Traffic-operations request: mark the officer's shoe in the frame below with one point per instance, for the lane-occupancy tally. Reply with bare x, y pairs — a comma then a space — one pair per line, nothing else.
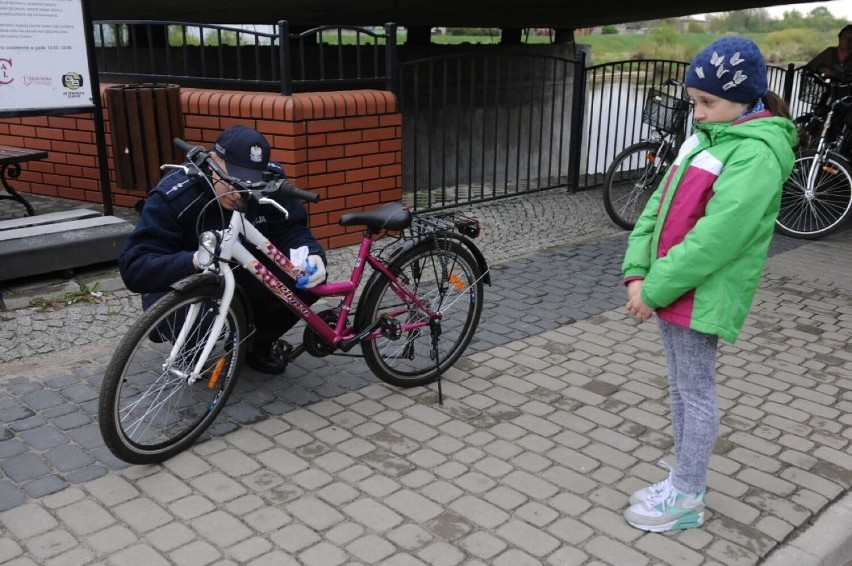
271, 359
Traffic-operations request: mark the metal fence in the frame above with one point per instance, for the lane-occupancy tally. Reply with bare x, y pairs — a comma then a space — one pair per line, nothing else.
226, 57
615, 95
477, 126
480, 127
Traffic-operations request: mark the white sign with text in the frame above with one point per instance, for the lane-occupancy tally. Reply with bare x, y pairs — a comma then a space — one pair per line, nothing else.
43, 59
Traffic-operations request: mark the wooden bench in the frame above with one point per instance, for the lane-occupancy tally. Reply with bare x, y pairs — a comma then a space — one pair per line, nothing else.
10, 168
59, 241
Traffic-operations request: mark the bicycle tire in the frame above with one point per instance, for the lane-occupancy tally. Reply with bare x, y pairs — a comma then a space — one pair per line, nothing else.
444, 275
815, 212
148, 412
630, 180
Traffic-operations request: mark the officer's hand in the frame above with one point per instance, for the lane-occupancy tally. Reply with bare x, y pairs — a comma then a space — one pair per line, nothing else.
314, 273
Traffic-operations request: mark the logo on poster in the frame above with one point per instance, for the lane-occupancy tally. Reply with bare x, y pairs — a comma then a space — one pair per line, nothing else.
6, 71
72, 80
36, 80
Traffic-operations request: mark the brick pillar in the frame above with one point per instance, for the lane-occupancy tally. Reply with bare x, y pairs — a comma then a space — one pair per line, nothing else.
345, 145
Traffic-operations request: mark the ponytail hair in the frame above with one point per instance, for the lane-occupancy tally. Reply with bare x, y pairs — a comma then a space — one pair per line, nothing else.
776, 105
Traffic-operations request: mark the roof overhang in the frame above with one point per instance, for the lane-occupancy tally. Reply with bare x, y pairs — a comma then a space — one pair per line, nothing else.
449, 13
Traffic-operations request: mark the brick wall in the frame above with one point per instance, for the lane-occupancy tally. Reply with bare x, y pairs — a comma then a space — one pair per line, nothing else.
346, 146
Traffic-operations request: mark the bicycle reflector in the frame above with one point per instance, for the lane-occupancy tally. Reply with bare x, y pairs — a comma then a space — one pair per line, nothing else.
469, 227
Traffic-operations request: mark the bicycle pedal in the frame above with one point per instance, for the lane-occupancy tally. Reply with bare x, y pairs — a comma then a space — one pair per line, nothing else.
390, 327
830, 170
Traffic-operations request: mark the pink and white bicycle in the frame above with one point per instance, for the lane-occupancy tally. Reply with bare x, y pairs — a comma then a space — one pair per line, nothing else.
175, 368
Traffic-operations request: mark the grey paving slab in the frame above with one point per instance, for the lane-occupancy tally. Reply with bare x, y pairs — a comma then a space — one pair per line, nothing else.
557, 412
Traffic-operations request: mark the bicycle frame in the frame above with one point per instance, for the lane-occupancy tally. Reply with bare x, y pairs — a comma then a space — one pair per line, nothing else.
339, 336
824, 145
665, 144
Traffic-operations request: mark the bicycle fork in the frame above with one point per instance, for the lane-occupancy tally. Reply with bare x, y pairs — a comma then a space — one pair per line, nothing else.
213, 335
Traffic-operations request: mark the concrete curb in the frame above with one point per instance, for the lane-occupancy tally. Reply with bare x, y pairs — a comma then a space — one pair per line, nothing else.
828, 541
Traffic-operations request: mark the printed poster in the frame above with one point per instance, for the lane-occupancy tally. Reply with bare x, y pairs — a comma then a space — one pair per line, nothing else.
43, 58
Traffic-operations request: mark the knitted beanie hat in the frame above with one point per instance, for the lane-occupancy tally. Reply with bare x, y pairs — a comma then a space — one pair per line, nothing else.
731, 68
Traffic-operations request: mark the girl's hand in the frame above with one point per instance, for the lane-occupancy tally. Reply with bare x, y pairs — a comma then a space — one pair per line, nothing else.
635, 306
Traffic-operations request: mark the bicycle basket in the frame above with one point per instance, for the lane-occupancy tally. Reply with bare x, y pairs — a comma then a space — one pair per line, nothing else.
664, 111
810, 90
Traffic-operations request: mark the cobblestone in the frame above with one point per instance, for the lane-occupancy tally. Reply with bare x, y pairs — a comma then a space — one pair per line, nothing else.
556, 413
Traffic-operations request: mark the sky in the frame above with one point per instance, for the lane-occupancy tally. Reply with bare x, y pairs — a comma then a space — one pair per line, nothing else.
838, 8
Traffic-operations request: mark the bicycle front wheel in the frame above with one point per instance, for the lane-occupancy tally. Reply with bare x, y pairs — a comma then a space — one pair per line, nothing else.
148, 409
631, 179
446, 278
815, 206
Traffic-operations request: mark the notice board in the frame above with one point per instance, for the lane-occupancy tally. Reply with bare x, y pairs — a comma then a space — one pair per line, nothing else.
44, 61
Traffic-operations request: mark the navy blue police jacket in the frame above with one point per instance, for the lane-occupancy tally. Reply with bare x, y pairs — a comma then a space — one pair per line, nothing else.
159, 251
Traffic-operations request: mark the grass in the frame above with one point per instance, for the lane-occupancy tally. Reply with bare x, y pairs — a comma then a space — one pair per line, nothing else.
82, 295
797, 45
781, 47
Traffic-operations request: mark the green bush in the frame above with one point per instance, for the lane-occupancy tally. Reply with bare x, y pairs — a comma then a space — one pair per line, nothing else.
474, 31
609, 30
794, 45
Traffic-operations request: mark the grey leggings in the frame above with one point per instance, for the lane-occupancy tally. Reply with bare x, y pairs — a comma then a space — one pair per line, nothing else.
691, 359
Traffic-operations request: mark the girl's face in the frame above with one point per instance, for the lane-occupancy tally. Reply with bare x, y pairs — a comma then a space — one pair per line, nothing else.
710, 109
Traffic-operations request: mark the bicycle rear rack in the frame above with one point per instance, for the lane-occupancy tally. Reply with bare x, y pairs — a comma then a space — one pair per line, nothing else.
445, 222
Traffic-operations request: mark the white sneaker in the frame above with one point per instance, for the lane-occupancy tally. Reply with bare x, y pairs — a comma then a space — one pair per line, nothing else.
666, 511
652, 490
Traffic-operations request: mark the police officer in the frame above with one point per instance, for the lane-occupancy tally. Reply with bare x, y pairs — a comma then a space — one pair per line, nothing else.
161, 250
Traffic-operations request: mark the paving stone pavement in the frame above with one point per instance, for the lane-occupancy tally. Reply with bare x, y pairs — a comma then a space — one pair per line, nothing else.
556, 413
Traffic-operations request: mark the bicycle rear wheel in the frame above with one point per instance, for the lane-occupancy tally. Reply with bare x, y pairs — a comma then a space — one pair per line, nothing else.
631, 179
445, 277
148, 411
815, 209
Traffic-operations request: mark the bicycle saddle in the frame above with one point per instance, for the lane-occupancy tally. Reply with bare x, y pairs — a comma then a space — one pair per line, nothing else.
392, 216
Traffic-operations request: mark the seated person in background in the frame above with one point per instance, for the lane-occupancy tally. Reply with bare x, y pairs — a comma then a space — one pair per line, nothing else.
836, 62
161, 250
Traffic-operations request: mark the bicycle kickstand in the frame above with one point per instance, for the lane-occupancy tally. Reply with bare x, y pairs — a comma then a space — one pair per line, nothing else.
435, 331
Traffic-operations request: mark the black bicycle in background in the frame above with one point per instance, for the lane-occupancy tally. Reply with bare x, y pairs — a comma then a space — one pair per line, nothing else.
816, 198
638, 169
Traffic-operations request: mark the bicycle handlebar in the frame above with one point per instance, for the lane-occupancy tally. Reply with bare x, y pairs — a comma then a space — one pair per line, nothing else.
289, 189
824, 79
268, 187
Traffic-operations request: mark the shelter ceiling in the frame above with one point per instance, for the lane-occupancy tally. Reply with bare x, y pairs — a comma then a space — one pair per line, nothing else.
450, 13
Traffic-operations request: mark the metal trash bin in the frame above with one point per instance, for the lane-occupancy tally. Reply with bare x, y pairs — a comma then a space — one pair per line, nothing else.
143, 120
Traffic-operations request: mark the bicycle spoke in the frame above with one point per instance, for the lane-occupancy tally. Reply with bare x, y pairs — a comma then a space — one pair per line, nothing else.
439, 274
149, 410
813, 210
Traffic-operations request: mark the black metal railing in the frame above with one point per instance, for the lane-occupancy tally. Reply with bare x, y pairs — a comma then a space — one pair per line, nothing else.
322, 58
228, 57
477, 126
615, 94
480, 127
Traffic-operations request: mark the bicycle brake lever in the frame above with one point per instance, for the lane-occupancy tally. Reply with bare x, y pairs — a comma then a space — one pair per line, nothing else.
186, 170
276, 204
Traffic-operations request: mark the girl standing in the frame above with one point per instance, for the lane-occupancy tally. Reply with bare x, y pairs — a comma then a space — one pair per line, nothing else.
697, 251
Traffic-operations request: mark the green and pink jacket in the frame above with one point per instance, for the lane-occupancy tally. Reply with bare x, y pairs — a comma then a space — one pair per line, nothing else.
702, 240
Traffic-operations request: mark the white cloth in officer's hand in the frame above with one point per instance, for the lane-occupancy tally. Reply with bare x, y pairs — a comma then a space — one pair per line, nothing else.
315, 270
